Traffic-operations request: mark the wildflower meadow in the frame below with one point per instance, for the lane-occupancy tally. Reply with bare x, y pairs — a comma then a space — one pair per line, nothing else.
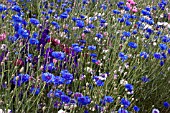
84, 56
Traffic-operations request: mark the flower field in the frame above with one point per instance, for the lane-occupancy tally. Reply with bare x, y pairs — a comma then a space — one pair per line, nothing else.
84, 56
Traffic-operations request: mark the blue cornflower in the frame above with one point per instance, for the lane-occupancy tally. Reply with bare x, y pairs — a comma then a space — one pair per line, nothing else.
83, 41
128, 23
126, 33
163, 46
126, 8
166, 104
29, 58
47, 77
135, 31
129, 87
154, 8
80, 23
58, 93
50, 67
58, 55
17, 18
157, 55
99, 35
150, 31
2, 7
103, 6
121, 20
108, 99
91, 26
120, 4
132, 45
123, 56
50, 94
122, 110
82, 16
136, 108
125, 103
145, 12
58, 80
92, 47
148, 8
57, 26
34, 90
64, 71
12, 38
16, 8
33, 41
169, 51
144, 54
65, 98
102, 20
68, 10
77, 49
162, 63
99, 83
165, 39
23, 32
34, 21
64, 15
34, 35
84, 100
20, 79
116, 11
93, 55
145, 79
147, 36
67, 76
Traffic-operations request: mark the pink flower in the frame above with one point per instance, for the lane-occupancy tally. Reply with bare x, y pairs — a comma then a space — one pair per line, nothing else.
129, 0
132, 3
128, 5
54, 61
168, 16
83, 35
134, 10
2, 37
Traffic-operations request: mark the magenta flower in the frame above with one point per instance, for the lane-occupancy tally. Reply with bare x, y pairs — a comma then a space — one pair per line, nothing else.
2, 37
